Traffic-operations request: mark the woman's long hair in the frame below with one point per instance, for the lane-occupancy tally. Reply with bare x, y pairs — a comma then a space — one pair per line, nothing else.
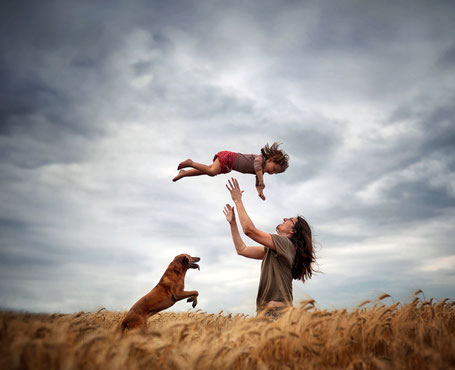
305, 257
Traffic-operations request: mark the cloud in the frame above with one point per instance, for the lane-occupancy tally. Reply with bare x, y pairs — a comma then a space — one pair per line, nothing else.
98, 106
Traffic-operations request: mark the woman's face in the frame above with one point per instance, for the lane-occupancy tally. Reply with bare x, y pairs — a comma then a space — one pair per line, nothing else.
286, 228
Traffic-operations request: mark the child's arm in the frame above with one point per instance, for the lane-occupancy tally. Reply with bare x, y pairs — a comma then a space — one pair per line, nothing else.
260, 184
258, 161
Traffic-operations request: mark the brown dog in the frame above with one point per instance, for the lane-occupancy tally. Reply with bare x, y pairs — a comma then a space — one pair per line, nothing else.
169, 290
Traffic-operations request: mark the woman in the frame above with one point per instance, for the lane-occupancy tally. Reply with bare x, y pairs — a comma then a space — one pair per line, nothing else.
286, 255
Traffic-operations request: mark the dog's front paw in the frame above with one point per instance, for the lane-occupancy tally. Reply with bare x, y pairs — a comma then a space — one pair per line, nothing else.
193, 299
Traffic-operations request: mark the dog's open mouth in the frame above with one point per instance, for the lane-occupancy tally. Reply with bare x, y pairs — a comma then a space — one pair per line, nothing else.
194, 265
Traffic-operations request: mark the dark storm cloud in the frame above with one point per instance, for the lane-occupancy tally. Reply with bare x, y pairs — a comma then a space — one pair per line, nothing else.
53, 57
86, 202
411, 172
77, 40
428, 191
438, 128
201, 103
447, 59
311, 145
436, 123
41, 96
365, 50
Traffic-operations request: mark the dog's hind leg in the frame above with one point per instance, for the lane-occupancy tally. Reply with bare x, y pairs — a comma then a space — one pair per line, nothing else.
135, 322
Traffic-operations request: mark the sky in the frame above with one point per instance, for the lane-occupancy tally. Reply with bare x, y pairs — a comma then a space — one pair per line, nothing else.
100, 101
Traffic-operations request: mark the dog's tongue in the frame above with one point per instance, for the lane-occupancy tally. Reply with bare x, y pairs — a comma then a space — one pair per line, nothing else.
194, 266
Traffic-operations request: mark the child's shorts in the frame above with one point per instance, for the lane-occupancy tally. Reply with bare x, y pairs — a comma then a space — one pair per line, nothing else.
227, 160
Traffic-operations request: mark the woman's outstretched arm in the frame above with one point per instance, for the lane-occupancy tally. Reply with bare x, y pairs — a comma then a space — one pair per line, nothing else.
248, 227
241, 248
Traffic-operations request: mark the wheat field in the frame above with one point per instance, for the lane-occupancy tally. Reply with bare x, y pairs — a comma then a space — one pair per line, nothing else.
374, 335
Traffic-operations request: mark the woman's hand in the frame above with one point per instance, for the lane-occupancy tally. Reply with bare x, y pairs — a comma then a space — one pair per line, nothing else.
234, 189
229, 213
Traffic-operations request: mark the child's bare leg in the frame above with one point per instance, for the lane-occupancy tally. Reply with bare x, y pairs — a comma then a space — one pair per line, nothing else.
183, 173
185, 163
212, 170
199, 169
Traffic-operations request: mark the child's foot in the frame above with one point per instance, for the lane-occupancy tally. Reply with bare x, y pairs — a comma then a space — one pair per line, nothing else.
186, 163
179, 176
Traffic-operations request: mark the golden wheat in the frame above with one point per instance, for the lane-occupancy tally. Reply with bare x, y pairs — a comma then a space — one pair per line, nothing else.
417, 335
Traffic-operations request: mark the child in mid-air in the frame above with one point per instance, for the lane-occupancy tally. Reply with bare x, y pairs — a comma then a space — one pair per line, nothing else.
271, 160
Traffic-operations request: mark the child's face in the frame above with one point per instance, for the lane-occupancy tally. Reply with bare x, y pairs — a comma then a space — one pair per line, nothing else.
272, 167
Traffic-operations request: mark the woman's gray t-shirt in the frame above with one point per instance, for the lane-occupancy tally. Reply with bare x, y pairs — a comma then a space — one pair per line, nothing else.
275, 283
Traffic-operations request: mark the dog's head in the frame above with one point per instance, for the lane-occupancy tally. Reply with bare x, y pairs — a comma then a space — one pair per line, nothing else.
187, 261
